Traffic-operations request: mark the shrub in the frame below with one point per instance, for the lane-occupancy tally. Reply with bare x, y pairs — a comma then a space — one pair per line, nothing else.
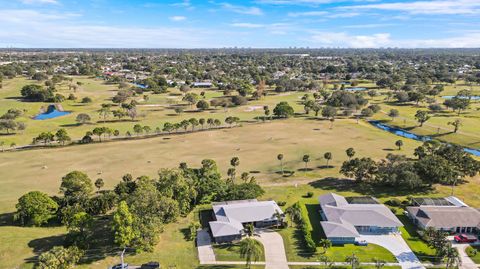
309, 194
306, 227
471, 252
281, 203
435, 107
394, 202
86, 100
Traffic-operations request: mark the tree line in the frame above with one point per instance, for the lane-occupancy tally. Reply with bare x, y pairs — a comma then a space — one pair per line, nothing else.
135, 210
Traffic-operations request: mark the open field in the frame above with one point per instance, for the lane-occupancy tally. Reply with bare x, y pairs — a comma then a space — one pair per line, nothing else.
437, 126
154, 112
256, 145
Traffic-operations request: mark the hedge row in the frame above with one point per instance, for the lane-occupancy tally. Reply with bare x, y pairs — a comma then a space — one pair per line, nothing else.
306, 227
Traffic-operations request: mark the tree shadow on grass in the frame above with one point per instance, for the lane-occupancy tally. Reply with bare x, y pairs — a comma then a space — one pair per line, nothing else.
286, 173
304, 169
44, 244
347, 185
325, 166
6, 219
101, 242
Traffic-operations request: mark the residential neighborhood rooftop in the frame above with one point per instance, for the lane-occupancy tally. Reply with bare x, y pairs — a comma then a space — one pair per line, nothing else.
444, 213
231, 215
342, 218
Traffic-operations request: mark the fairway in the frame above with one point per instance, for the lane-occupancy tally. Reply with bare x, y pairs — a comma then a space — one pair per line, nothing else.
257, 146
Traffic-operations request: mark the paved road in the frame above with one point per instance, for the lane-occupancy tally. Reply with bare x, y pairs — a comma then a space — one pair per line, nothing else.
395, 244
275, 257
205, 249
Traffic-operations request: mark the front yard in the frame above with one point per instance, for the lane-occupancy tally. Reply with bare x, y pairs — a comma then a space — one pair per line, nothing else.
231, 252
415, 242
476, 258
296, 250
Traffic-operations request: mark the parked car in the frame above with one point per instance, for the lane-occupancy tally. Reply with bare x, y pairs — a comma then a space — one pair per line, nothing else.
361, 243
150, 265
465, 238
119, 266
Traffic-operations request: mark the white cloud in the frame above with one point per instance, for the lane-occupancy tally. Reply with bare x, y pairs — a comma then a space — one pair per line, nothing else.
178, 18
366, 26
242, 9
307, 14
332, 39
324, 14
31, 2
306, 2
26, 16
426, 7
345, 40
247, 25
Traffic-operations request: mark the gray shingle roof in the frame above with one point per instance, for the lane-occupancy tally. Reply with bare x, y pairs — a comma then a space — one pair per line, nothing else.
341, 217
446, 216
231, 215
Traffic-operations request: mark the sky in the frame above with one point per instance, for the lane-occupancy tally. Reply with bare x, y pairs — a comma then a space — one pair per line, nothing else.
232, 23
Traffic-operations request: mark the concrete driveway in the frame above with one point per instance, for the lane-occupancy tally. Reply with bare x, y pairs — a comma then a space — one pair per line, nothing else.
398, 247
467, 262
204, 246
275, 257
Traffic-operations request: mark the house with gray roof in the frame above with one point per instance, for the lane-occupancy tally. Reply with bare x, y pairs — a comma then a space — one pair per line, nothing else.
232, 216
448, 214
343, 221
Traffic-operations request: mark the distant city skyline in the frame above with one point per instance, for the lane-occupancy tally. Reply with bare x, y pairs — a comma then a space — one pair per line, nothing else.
232, 23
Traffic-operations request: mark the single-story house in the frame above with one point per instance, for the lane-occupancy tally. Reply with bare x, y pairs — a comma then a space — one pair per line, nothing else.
344, 221
202, 84
448, 214
231, 216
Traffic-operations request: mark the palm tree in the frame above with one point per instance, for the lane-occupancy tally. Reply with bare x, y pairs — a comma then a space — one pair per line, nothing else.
327, 262
250, 250
279, 216
325, 244
350, 152
250, 229
328, 156
306, 159
280, 158
452, 258
353, 261
399, 144
235, 161
294, 213
378, 263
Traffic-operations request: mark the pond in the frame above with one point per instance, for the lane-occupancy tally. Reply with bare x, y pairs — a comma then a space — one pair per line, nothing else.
140, 85
356, 89
51, 113
407, 134
475, 97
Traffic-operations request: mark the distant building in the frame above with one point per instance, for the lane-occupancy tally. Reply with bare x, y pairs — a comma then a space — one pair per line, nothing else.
447, 214
231, 216
202, 84
344, 221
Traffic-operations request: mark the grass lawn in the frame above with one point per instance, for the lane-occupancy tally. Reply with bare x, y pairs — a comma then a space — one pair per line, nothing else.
418, 246
257, 146
475, 258
437, 126
296, 251
341, 267
231, 252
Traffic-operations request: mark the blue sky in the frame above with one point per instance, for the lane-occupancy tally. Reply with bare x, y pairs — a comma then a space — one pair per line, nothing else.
230, 23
